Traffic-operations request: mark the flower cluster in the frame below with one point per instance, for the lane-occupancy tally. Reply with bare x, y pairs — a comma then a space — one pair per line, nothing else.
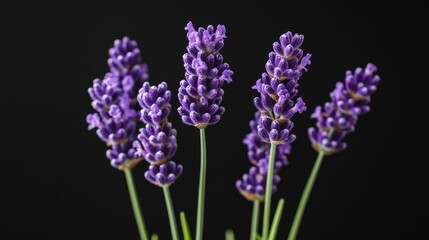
252, 185
276, 106
123, 98
125, 63
200, 94
114, 100
157, 141
338, 118
278, 88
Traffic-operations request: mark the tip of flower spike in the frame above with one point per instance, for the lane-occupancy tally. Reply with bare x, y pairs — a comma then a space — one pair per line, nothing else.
189, 27
370, 68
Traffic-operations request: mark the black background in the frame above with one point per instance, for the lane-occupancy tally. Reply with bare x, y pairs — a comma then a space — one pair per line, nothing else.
57, 184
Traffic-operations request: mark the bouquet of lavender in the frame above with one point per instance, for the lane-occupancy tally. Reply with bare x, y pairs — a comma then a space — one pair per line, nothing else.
124, 99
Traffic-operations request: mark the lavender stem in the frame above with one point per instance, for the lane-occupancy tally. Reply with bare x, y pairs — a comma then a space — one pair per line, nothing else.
171, 216
268, 192
202, 186
135, 203
305, 195
255, 218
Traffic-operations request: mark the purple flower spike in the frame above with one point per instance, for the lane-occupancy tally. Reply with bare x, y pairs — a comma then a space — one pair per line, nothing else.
278, 89
276, 105
338, 118
163, 175
126, 67
125, 63
200, 94
113, 99
252, 185
157, 141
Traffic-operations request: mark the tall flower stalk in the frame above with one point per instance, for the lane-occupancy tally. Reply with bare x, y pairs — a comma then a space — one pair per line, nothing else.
200, 94
157, 143
253, 184
337, 119
115, 120
277, 104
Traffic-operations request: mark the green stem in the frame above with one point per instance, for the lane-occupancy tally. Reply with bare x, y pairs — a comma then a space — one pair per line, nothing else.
135, 203
304, 198
268, 193
229, 235
171, 216
255, 218
201, 187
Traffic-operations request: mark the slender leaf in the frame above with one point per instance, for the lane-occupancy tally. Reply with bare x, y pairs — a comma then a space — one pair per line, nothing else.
276, 220
229, 235
185, 227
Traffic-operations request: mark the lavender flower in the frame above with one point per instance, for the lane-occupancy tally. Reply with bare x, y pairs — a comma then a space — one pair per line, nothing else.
278, 88
112, 98
104, 93
163, 175
110, 130
200, 94
252, 185
156, 143
126, 67
258, 151
276, 106
121, 153
157, 140
125, 63
155, 103
339, 117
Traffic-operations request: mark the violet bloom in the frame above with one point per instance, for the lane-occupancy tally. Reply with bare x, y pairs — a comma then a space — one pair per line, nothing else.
338, 117
157, 140
104, 93
258, 151
276, 106
200, 94
253, 185
163, 175
112, 98
278, 89
126, 64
